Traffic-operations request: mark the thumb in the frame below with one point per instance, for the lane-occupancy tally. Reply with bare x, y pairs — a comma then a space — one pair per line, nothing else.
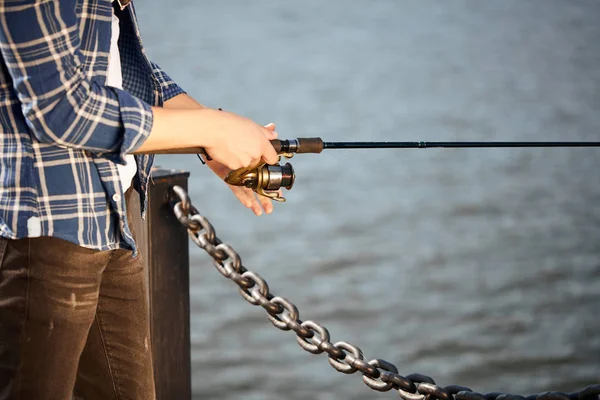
270, 132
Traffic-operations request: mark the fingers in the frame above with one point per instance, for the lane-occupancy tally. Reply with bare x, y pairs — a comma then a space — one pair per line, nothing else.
271, 135
266, 204
246, 197
252, 201
270, 156
270, 131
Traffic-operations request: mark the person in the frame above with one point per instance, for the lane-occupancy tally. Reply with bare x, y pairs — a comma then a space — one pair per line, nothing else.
81, 110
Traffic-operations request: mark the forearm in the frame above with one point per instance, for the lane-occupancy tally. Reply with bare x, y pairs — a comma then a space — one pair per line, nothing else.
182, 101
227, 138
180, 130
169, 121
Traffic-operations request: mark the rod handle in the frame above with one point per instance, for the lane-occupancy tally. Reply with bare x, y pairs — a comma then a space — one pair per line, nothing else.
183, 150
299, 145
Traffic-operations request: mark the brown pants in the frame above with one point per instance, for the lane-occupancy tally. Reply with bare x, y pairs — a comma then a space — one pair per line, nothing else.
73, 322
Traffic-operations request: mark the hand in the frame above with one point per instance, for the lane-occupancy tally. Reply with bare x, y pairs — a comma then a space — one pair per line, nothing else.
220, 164
245, 195
238, 142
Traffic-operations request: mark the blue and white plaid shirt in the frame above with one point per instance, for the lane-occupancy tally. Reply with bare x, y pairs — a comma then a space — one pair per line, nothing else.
62, 131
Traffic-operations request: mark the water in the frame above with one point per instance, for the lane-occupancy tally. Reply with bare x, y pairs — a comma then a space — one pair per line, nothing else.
477, 267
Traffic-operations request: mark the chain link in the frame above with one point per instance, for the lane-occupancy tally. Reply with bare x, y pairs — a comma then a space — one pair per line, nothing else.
377, 374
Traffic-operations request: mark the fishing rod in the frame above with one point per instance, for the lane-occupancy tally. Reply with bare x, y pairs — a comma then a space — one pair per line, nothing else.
456, 145
267, 180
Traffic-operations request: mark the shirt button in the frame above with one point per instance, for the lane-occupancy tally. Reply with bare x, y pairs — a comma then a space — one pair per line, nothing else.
116, 197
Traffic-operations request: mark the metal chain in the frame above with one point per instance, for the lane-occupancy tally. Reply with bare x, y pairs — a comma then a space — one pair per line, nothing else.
378, 374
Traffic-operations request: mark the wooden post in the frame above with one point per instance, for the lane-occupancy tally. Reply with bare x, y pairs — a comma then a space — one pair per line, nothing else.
165, 246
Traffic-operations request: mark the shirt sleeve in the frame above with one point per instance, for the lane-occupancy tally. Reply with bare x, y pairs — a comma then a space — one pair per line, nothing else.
40, 45
169, 88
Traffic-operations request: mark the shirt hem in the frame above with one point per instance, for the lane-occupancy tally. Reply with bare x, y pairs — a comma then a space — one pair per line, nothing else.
104, 247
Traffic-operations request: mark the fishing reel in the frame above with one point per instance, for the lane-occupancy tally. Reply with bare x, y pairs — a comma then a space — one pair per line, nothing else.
265, 179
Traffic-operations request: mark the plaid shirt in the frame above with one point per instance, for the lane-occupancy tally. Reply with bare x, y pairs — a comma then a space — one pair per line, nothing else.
62, 131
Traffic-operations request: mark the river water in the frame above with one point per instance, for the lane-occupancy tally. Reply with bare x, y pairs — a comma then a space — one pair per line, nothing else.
477, 267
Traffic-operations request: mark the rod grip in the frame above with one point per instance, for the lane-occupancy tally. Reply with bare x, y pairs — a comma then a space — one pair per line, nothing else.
183, 150
310, 145
300, 145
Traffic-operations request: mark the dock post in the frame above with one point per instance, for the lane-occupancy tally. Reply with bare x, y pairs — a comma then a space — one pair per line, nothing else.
165, 247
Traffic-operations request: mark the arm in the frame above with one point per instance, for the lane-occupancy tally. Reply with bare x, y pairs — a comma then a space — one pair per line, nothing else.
40, 44
229, 139
183, 101
173, 116
245, 196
